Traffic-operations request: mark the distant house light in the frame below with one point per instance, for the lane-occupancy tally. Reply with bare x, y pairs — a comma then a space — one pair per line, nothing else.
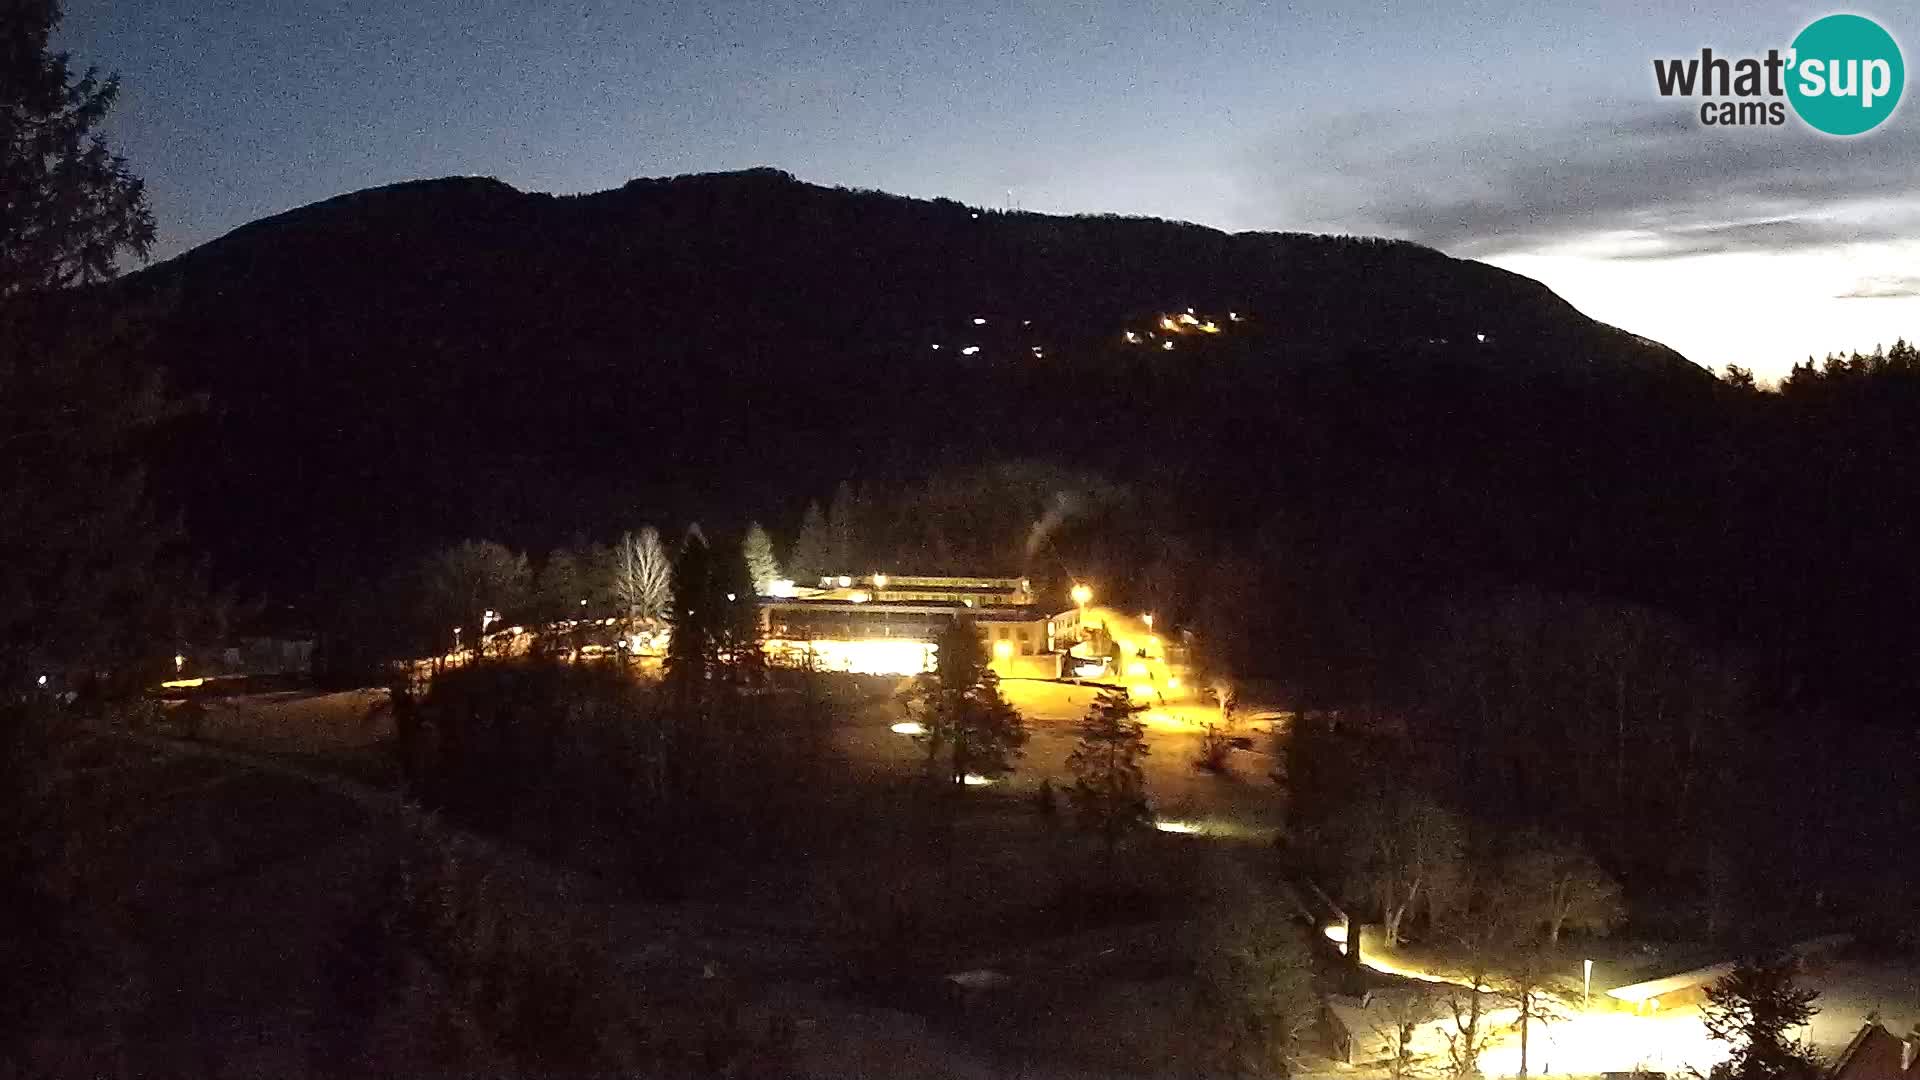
859, 597
1133, 338
969, 350
978, 321
936, 346
43, 680
845, 581
1167, 345
1481, 338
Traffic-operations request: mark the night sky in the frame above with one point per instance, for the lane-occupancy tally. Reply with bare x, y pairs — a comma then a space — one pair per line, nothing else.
1524, 133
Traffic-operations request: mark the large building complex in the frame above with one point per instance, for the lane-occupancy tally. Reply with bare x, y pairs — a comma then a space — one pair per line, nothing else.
885, 624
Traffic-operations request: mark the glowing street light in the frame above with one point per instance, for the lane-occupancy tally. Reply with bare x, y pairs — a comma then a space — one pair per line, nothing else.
1148, 619
1082, 595
488, 618
879, 581
1586, 984
179, 661
1003, 650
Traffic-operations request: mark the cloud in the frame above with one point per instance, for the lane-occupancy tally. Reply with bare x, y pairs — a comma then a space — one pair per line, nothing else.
1883, 287
1648, 184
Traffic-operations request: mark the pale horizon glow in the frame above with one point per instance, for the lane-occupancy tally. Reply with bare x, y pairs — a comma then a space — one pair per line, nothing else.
1766, 312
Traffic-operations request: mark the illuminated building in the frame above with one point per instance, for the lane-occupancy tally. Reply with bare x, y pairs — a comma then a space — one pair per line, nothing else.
887, 624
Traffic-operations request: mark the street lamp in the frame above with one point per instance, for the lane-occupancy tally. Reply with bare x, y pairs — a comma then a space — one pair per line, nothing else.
1586, 985
1148, 619
1082, 595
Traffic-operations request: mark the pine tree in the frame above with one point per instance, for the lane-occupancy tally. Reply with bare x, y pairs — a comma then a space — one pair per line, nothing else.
967, 728
1756, 1010
81, 553
762, 568
737, 630
69, 206
1109, 792
812, 549
693, 652
843, 532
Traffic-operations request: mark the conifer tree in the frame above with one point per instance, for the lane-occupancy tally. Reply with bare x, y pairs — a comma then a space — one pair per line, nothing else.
80, 549
843, 531
812, 549
762, 568
967, 728
1109, 793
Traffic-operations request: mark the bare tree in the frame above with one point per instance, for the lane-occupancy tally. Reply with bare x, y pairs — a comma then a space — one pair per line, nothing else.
466, 582
643, 577
1563, 886
1402, 847
1403, 1014
1525, 983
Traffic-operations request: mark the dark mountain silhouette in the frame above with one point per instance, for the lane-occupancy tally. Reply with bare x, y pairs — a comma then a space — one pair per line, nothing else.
410, 364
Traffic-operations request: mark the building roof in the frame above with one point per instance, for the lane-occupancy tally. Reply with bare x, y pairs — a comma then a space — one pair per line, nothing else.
993, 613
1685, 980
1878, 1054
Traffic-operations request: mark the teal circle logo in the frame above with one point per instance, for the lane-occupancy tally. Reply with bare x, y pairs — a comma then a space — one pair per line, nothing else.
1846, 76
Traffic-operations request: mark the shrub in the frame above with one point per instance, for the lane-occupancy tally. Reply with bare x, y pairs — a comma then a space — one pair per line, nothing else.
1216, 750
